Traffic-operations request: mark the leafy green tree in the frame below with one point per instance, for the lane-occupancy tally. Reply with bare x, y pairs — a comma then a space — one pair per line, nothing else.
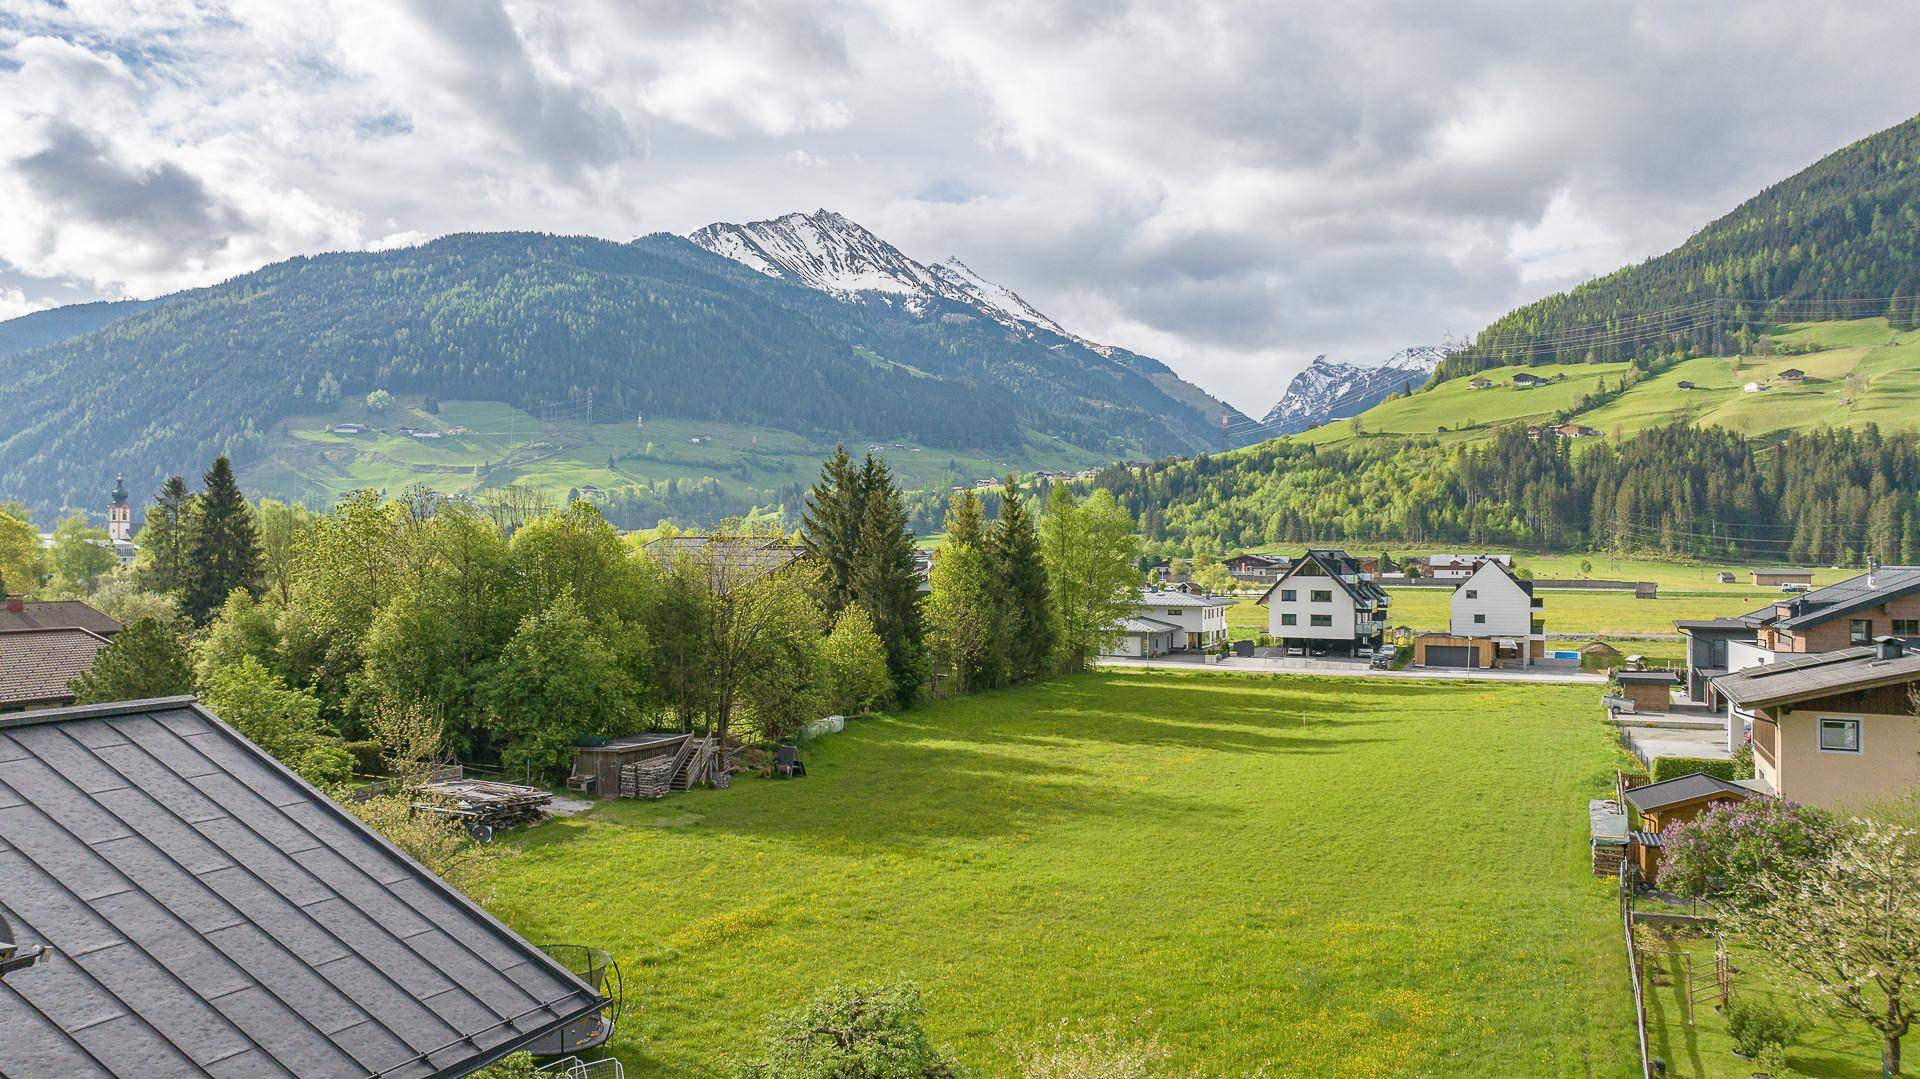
281, 720
554, 681
165, 538
1089, 547
574, 552
379, 401
886, 582
283, 525
146, 659
856, 659
830, 527
243, 629
1018, 576
20, 554
122, 598
81, 554
224, 553
790, 681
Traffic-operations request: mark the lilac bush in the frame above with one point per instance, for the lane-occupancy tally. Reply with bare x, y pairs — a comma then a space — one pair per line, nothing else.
1730, 844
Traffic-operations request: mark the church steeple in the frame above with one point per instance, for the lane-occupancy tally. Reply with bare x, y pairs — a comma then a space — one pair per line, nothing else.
120, 513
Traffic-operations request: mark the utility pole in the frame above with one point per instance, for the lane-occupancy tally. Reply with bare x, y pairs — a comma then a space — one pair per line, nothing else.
1223, 432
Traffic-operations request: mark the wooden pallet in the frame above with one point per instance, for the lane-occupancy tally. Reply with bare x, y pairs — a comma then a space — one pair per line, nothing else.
647, 779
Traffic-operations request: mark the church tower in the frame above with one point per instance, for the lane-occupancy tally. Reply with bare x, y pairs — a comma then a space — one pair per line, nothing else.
120, 513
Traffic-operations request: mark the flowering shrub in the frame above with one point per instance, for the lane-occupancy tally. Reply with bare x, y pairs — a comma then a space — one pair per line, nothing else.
1728, 845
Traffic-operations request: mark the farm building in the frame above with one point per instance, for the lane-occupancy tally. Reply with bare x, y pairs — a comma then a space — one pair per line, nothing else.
1773, 578
596, 768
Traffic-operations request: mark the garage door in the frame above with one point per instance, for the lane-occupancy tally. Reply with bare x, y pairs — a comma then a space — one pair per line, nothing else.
1451, 655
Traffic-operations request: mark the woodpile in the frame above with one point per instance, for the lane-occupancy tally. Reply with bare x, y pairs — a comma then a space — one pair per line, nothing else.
497, 805
648, 778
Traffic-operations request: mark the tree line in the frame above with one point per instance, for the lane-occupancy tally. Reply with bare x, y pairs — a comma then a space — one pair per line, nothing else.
521, 629
1824, 496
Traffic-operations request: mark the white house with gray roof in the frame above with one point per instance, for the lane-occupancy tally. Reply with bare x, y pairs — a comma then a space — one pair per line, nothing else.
1169, 620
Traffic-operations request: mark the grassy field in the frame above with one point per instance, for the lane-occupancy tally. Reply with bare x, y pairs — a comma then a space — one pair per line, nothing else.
1828, 1044
501, 444
1887, 392
1317, 877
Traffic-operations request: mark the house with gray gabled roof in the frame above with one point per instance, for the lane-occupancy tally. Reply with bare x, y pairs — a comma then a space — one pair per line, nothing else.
1326, 602
18, 612
38, 666
1833, 728
179, 903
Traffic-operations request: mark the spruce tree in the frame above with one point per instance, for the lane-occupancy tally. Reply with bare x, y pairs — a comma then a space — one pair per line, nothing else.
886, 583
224, 551
830, 527
166, 536
1020, 581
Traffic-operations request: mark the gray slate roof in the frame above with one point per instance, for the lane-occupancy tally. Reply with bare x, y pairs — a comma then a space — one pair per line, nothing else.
1147, 626
1817, 674
37, 664
1846, 597
59, 614
1646, 678
210, 913
1686, 788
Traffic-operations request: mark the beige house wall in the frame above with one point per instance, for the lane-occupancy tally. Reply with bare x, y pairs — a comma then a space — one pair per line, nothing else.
1888, 761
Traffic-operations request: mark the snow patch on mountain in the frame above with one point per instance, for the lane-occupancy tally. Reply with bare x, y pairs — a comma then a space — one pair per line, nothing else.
1329, 390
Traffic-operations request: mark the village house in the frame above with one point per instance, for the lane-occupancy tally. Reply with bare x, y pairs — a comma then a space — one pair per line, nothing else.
37, 666
1683, 384
1493, 623
19, 612
1835, 728
1326, 603
1575, 430
1257, 569
348, 428
1479, 384
1458, 567
1754, 387
1791, 375
1172, 620
1526, 381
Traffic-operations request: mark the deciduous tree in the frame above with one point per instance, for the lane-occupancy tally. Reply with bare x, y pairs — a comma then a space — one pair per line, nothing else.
1089, 547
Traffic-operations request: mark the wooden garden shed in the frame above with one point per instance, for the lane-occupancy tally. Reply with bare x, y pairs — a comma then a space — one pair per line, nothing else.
599, 765
1650, 691
1674, 801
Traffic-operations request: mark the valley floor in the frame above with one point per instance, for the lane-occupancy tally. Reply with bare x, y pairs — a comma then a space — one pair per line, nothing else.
1314, 876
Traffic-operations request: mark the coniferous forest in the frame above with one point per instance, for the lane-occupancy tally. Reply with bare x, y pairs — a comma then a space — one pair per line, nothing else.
1822, 497
1840, 239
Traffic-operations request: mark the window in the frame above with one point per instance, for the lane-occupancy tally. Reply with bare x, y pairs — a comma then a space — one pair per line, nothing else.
1176, 611
1840, 735
1323, 620
1906, 627
1479, 619
1717, 654
1288, 595
1289, 619
1473, 593
1322, 595
1860, 631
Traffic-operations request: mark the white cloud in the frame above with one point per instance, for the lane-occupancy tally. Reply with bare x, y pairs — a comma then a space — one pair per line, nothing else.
1232, 186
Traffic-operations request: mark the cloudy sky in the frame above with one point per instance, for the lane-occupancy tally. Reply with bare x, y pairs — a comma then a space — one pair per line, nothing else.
1231, 187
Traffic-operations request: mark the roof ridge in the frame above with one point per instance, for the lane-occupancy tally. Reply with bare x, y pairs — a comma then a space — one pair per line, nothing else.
97, 711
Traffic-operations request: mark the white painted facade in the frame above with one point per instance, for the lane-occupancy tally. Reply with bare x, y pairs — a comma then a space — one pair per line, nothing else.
1198, 621
1310, 604
1490, 603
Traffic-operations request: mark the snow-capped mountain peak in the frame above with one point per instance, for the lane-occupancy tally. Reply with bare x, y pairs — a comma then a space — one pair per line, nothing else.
1328, 390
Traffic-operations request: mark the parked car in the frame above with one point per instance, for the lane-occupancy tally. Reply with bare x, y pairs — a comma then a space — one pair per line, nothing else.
1796, 588
1384, 657
1296, 650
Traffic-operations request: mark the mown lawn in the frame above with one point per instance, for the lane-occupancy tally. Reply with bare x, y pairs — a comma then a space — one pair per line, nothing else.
1828, 1044
1318, 876
1592, 614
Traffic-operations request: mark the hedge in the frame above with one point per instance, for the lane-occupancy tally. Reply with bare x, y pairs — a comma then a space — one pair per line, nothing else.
1665, 768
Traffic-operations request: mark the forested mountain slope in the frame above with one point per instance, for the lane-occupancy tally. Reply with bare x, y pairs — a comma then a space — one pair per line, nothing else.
1818, 497
59, 323
656, 327
1840, 239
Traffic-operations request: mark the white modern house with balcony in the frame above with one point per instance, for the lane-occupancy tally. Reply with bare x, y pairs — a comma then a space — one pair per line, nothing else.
1326, 603
1169, 620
